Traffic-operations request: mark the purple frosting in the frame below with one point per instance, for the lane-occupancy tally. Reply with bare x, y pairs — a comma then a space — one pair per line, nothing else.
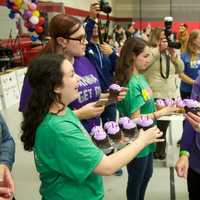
190, 103
129, 124
169, 102
115, 87
98, 133
108, 124
180, 103
123, 120
113, 129
160, 102
144, 122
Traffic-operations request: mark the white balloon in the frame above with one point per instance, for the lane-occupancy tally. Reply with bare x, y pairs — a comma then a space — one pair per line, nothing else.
17, 16
34, 20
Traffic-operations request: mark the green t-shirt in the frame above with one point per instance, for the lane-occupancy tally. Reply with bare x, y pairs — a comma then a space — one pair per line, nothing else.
65, 158
138, 97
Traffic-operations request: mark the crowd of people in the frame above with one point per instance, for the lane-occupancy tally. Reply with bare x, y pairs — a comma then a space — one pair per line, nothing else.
58, 103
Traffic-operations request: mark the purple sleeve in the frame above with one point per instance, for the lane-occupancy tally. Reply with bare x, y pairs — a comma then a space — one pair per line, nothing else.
187, 137
196, 89
25, 93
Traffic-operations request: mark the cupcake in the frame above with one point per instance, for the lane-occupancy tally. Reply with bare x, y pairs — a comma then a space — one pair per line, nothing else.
130, 129
160, 104
100, 138
180, 104
108, 124
113, 131
169, 102
144, 123
123, 120
191, 106
114, 90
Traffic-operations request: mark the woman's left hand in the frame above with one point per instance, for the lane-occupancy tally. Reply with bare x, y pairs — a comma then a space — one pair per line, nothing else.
173, 53
122, 94
194, 120
106, 49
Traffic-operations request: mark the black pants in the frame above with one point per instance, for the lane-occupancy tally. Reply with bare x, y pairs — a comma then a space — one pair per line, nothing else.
193, 182
160, 146
140, 171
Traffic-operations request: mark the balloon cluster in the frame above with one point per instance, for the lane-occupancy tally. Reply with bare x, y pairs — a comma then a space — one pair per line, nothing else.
28, 10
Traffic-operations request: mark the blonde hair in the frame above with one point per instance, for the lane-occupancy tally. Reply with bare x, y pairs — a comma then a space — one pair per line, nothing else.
192, 49
154, 37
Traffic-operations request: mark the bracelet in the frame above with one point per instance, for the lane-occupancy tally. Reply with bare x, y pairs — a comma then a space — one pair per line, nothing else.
184, 153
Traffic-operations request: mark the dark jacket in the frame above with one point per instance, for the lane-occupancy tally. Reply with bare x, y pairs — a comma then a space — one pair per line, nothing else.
105, 65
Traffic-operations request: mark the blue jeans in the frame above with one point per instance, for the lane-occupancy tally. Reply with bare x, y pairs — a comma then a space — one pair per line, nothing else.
140, 171
7, 144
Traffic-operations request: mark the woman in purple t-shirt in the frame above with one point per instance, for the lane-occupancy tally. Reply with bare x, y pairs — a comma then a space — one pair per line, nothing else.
188, 165
68, 38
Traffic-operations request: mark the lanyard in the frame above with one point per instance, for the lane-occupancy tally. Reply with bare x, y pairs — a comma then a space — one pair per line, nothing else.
100, 56
166, 76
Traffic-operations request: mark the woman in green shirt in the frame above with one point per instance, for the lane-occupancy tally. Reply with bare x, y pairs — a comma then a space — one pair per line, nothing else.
138, 101
69, 164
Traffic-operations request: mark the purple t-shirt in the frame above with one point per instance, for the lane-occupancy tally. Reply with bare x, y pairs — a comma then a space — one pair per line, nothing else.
25, 93
89, 89
196, 89
191, 139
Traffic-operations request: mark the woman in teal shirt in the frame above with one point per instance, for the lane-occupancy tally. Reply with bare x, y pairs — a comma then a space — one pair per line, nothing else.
138, 101
69, 164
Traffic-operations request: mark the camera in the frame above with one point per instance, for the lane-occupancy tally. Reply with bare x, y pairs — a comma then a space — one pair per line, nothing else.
169, 35
105, 7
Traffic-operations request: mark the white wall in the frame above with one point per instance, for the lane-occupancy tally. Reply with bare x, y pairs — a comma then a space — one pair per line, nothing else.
123, 8
6, 24
80, 4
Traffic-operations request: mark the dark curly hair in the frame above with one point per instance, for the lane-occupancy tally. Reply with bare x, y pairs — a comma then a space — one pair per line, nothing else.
44, 74
124, 70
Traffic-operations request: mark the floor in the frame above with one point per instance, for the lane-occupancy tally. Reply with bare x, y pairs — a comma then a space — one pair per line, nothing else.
27, 182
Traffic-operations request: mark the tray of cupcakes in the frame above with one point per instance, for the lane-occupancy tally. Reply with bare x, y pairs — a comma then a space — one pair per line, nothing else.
116, 135
183, 106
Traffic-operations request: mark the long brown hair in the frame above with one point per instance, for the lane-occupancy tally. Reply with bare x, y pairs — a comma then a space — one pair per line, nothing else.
132, 46
191, 48
61, 25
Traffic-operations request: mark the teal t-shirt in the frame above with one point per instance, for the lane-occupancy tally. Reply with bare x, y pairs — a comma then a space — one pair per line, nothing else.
65, 158
138, 97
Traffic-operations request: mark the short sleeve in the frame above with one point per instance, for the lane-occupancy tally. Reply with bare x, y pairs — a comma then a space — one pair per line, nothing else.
133, 100
75, 154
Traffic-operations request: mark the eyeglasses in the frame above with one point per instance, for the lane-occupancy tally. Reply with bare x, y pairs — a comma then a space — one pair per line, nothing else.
81, 39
